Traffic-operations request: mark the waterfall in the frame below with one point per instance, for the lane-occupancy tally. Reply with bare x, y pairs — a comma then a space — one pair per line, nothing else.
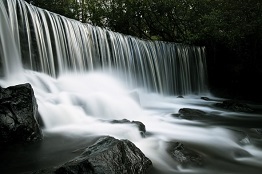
53, 44
10, 57
84, 77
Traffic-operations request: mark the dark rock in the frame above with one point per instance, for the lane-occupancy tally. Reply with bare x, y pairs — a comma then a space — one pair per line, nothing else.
176, 115
241, 137
240, 153
234, 105
188, 113
141, 127
245, 141
199, 115
209, 99
107, 156
259, 131
40, 120
206, 98
120, 121
180, 96
184, 156
18, 109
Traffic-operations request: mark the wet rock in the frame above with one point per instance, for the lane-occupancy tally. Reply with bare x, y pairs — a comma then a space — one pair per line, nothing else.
245, 141
107, 156
234, 105
184, 156
141, 127
240, 153
259, 131
190, 114
18, 112
39, 120
240, 137
206, 98
180, 96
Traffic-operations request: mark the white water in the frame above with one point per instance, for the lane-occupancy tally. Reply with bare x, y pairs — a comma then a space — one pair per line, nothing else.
79, 105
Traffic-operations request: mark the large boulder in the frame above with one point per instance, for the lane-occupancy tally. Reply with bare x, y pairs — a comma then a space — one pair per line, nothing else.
18, 111
107, 156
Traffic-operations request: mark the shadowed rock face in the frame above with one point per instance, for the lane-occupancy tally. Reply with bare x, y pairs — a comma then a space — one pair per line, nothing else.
107, 156
18, 109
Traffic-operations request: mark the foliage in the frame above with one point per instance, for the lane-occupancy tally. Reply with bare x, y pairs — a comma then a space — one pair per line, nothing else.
63, 7
170, 20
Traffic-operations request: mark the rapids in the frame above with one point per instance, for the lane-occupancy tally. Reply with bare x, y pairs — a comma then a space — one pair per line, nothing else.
75, 109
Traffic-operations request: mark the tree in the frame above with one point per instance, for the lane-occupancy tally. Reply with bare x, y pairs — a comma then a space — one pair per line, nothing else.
63, 7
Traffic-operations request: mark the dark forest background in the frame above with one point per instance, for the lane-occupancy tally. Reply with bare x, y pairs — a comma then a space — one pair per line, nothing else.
231, 31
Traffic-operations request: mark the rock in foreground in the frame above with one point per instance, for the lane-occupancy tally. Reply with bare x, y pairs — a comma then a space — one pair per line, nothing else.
107, 156
18, 109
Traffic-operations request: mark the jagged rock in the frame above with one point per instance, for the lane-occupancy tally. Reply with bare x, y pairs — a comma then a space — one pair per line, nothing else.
18, 109
141, 127
184, 156
234, 105
107, 156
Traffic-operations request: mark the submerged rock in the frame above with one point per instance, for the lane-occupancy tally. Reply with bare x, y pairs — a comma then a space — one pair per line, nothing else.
234, 105
208, 99
107, 156
240, 153
205, 98
18, 112
184, 156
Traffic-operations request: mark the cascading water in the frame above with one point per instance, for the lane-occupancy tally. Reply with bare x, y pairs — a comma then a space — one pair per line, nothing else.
71, 68
55, 45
